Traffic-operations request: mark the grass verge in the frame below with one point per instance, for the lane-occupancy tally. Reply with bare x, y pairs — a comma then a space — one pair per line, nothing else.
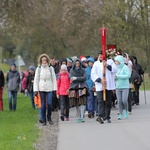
18, 130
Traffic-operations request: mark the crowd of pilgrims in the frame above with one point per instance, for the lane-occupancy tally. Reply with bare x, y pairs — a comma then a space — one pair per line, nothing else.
79, 83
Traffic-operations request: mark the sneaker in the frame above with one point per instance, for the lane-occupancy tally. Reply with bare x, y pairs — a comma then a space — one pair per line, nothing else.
79, 120
129, 112
82, 120
132, 103
86, 112
44, 124
119, 116
50, 122
62, 118
40, 121
104, 118
89, 115
67, 119
99, 119
126, 114
108, 121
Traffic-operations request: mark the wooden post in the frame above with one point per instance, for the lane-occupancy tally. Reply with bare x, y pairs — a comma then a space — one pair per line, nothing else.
103, 41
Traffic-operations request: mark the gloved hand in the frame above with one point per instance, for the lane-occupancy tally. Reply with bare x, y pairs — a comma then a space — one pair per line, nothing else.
35, 93
73, 78
98, 80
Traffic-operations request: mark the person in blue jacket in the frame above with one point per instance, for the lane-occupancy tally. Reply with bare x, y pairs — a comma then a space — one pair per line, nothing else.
90, 83
122, 85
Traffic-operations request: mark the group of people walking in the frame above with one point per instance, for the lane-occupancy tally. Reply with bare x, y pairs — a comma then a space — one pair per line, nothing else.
79, 83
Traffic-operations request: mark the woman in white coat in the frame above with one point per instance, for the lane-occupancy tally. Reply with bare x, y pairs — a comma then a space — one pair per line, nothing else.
45, 83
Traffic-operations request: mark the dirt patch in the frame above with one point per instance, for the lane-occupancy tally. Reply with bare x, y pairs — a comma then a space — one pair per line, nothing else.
48, 135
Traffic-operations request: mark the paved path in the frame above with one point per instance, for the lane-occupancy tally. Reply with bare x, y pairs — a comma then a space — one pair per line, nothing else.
132, 133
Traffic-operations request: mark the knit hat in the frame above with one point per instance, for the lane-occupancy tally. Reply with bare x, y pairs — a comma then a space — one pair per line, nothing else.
13, 64
63, 67
31, 68
82, 58
69, 60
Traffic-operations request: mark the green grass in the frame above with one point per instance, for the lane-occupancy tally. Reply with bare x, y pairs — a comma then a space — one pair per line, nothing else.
5, 68
18, 130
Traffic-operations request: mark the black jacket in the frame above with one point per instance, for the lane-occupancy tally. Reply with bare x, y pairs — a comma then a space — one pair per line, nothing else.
29, 84
2, 79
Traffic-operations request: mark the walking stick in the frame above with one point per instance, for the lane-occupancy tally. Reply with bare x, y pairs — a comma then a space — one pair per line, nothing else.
144, 90
103, 40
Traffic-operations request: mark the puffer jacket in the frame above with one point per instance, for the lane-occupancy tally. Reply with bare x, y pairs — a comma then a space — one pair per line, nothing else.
45, 79
63, 84
123, 74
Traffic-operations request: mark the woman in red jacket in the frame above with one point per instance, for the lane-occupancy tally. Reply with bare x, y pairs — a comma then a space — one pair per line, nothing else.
63, 84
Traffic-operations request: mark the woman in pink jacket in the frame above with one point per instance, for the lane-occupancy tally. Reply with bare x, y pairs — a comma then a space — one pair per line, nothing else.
63, 84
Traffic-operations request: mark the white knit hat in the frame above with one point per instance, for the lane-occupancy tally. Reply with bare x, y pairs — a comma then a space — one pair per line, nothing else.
63, 67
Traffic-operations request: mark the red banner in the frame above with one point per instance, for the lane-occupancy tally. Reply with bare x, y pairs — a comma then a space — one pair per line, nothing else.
103, 39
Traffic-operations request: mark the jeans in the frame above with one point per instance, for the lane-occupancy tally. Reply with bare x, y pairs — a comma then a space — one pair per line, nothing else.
40, 114
64, 105
122, 97
104, 107
91, 102
12, 95
46, 101
32, 98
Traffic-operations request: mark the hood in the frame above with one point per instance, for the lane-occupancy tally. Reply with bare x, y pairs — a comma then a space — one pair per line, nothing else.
127, 56
120, 59
73, 65
44, 55
91, 59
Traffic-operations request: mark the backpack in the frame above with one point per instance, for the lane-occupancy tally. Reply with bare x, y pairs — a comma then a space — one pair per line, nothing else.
135, 77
